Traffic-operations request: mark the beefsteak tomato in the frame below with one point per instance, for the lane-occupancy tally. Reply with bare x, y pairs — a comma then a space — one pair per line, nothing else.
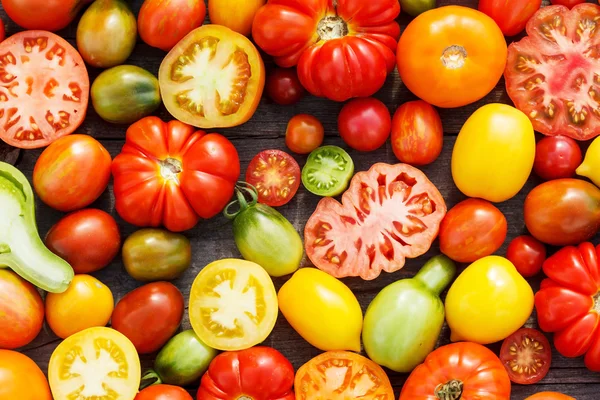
169, 174
343, 49
512, 15
49, 15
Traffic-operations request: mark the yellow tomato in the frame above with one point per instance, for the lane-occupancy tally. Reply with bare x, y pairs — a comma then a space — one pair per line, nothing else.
590, 167
488, 302
237, 15
85, 304
494, 152
322, 310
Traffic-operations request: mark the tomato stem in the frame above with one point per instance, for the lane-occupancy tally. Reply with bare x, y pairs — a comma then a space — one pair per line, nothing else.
450, 390
241, 190
150, 378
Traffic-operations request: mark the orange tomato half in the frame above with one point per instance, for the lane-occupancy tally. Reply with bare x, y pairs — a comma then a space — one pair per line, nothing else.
21, 378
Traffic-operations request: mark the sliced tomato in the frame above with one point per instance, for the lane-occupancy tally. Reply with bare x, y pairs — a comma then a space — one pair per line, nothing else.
553, 74
233, 304
44, 89
526, 355
389, 213
275, 175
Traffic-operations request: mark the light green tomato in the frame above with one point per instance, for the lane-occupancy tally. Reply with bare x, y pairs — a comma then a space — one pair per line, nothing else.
416, 7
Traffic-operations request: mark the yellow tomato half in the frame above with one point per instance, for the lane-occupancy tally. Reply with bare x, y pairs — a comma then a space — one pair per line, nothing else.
489, 301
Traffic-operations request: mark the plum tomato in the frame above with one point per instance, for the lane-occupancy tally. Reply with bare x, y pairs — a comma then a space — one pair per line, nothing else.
527, 254
163, 392
526, 355
304, 134
47, 15
275, 175
567, 3
21, 378
284, 87
365, 124
237, 15
556, 157
510, 15
327, 171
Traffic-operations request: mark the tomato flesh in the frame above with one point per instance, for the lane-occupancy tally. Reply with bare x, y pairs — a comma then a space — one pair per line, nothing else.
526, 355
276, 176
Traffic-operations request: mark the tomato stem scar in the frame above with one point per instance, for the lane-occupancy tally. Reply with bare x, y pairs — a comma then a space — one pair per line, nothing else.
451, 390
332, 27
454, 56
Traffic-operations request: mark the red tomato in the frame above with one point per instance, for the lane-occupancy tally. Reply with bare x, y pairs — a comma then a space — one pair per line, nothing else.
556, 157
510, 15
72, 172
21, 378
343, 49
383, 210
284, 87
472, 229
149, 315
527, 254
86, 239
365, 124
2, 31
163, 392
417, 133
49, 15
568, 3
258, 373
21, 311
41, 66
170, 174
275, 175
526, 355
304, 134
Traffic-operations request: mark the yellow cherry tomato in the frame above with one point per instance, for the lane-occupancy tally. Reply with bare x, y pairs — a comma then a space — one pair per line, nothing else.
590, 167
322, 310
488, 302
494, 153
86, 303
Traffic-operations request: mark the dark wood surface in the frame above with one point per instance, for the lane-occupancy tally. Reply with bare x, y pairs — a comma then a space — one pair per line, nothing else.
213, 239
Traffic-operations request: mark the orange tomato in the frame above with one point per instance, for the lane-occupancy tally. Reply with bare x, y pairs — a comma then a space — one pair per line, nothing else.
21, 378
237, 15
451, 56
550, 396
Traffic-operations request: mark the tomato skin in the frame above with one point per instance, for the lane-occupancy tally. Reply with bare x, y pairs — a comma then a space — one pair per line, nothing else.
568, 3
550, 396
527, 254
511, 16
304, 134
21, 378
163, 392
523, 349
49, 15
237, 15
365, 124
556, 157
284, 87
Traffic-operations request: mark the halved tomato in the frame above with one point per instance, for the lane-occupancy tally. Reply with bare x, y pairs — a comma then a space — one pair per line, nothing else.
44, 89
96, 363
275, 175
233, 304
526, 355
390, 212
213, 78
553, 75
342, 375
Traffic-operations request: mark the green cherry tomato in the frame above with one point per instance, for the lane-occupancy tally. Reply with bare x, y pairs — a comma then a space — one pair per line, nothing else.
327, 171
416, 7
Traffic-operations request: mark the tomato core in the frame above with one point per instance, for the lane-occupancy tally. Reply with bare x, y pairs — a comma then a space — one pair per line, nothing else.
332, 27
451, 390
170, 168
244, 397
453, 57
596, 298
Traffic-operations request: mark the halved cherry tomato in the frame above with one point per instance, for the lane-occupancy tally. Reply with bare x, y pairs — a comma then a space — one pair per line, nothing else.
284, 87
275, 175
526, 355
304, 134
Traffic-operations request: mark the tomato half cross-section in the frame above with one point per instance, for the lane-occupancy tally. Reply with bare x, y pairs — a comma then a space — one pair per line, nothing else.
343, 49
44, 89
172, 175
389, 213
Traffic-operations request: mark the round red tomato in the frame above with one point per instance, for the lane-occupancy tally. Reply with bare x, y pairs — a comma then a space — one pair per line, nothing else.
48, 15
275, 175
568, 3
472, 229
149, 315
526, 355
21, 378
527, 254
556, 157
2, 31
45, 88
510, 15
284, 87
163, 392
86, 239
365, 124
304, 134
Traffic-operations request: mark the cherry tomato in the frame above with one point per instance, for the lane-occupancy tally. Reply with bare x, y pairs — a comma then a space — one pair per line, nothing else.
365, 124
163, 392
2, 31
304, 134
284, 87
526, 355
527, 254
276, 176
556, 157
568, 3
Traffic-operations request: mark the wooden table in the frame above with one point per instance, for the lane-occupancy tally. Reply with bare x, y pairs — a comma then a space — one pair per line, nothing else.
212, 240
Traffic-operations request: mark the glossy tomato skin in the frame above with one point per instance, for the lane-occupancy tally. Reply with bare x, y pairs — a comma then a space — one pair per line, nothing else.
240, 20
556, 157
72, 172
21, 378
550, 396
163, 392
365, 124
284, 87
49, 15
21, 311
2, 31
568, 3
87, 239
511, 16
526, 355
304, 134
527, 254
149, 315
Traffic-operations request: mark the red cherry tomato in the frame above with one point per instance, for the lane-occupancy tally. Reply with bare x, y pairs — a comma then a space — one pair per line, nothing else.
526, 355
365, 124
527, 254
2, 31
556, 157
284, 87
163, 392
568, 3
276, 176
304, 134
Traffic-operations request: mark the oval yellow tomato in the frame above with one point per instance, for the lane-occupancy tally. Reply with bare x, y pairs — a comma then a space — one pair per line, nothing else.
322, 310
237, 15
494, 152
488, 302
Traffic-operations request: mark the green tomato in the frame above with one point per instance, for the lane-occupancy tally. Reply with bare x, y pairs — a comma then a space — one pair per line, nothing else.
416, 7
125, 94
327, 171
402, 324
156, 255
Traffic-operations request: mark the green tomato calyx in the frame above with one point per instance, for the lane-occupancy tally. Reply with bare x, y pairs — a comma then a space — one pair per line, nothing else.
241, 190
451, 390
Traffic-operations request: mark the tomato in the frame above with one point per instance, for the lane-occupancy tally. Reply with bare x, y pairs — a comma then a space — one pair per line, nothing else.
493, 153
568, 3
416, 7
417, 133
550, 396
284, 87
149, 315
37, 65
49, 15
233, 304
488, 301
21, 311
451, 56
385, 209
342, 49
458, 371
237, 15
527, 254
336, 375
563, 211
304, 134
258, 373
87, 239
275, 175
72, 172
2, 31
85, 304
556, 157
169, 174
590, 167
526, 355
95, 363
327, 171
365, 124
163, 392
512, 15
21, 378
210, 62
472, 229
164, 23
